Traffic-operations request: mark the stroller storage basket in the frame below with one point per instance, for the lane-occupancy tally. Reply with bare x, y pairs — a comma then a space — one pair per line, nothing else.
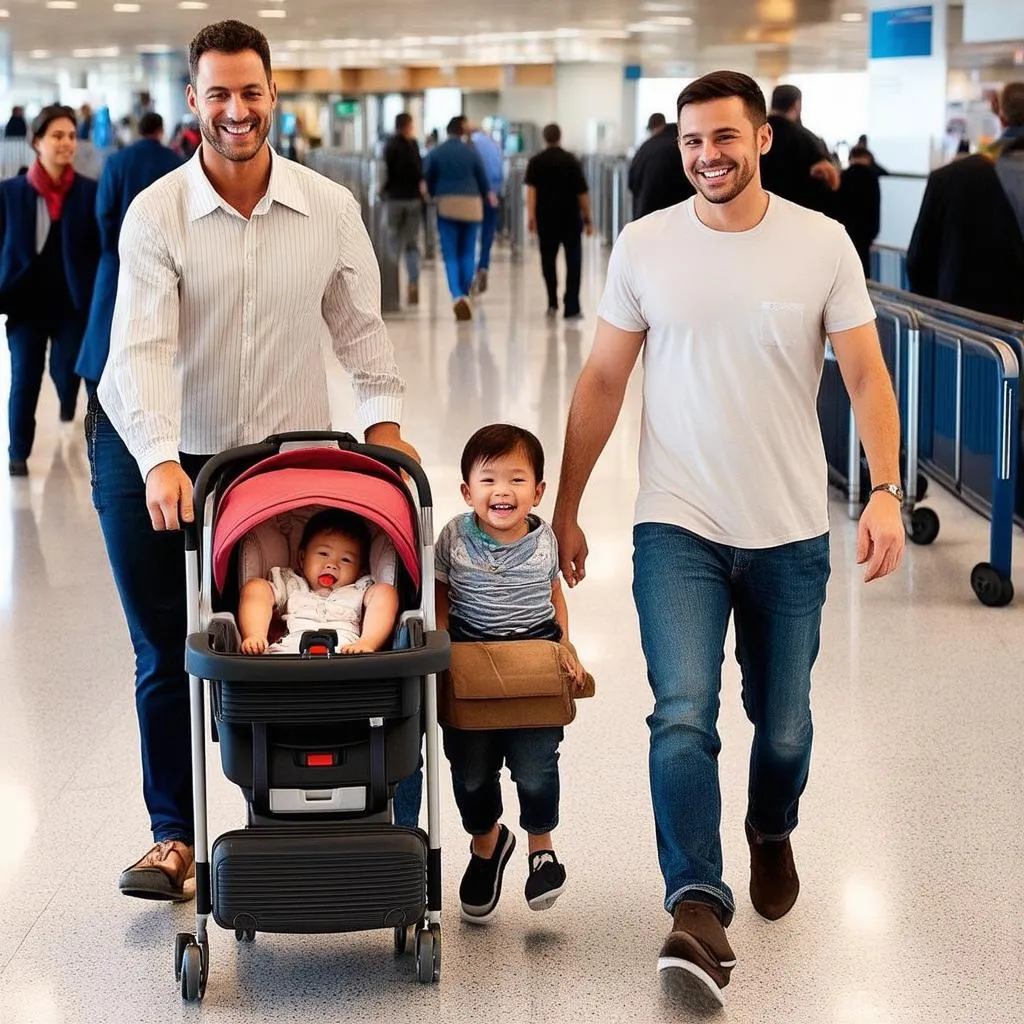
319, 878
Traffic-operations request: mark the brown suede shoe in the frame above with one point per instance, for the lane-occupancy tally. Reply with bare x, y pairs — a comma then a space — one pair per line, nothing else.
413, 294
166, 872
697, 950
774, 884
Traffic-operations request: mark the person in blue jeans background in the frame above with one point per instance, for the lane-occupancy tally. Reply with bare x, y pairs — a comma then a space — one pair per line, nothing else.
730, 295
456, 178
494, 165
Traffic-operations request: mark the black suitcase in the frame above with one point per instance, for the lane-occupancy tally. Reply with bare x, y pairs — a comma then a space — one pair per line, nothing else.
318, 878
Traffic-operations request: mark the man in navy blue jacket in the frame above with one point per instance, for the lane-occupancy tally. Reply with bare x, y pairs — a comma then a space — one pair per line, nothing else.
125, 175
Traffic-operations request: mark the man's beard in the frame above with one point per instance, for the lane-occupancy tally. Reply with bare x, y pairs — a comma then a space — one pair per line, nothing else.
743, 175
212, 135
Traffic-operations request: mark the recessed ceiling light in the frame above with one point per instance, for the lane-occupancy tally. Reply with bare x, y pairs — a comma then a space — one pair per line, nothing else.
62, 5
851, 16
39, 54
683, 21
192, 5
127, 8
4, 14
657, 8
273, 12
154, 48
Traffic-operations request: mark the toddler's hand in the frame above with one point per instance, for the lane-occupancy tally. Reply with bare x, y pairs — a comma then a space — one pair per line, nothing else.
576, 669
254, 645
358, 647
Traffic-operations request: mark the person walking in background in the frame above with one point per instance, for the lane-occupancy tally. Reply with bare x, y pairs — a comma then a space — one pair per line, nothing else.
85, 122
558, 212
404, 190
494, 166
797, 167
48, 261
859, 204
125, 175
455, 176
17, 126
968, 244
656, 176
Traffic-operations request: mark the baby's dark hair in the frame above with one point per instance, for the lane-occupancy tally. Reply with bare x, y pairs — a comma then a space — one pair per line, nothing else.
336, 520
498, 439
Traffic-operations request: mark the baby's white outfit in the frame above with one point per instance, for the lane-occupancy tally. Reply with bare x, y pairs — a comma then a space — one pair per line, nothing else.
302, 608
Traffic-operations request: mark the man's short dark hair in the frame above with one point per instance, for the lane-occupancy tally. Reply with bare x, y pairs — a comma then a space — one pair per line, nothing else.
552, 135
656, 121
860, 152
228, 37
785, 98
336, 520
402, 121
1011, 105
150, 123
457, 125
498, 439
721, 85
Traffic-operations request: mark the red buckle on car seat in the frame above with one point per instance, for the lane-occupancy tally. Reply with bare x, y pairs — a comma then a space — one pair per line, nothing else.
319, 760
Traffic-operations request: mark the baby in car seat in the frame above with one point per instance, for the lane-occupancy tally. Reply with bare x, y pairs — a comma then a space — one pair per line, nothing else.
333, 591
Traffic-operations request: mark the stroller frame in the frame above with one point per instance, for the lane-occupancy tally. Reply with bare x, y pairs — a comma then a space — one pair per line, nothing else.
191, 952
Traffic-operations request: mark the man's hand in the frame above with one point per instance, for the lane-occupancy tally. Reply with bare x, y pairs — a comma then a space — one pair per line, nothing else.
825, 170
492, 198
531, 225
169, 496
572, 551
575, 667
357, 647
881, 537
389, 435
588, 227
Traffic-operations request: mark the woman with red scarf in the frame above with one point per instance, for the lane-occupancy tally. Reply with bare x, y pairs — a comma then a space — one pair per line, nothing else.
48, 262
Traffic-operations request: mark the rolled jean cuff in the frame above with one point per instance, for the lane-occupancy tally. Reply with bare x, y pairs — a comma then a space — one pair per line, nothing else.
767, 836
728, 907
535, 830
173, 835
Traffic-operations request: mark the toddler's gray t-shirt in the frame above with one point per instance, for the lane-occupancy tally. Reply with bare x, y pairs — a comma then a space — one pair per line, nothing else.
497, 589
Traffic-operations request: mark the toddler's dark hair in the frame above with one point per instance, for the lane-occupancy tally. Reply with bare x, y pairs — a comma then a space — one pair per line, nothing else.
498, 439
336, 520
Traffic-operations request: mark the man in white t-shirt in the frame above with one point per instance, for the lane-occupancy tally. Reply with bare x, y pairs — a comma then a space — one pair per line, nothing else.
730, 296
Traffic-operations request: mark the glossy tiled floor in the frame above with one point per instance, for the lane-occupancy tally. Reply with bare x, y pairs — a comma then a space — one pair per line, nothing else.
911, 850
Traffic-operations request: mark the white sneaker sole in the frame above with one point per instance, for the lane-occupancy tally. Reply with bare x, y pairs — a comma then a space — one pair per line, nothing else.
546, 901
678, 977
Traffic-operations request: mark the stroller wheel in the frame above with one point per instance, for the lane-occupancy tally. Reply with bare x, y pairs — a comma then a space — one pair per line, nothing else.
245, 934
428, 955
192, 973
401, 940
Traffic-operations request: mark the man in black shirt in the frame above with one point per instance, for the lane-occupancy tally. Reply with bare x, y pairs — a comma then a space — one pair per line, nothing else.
859, 203
558, 211
404, 189
797, 166
656, 176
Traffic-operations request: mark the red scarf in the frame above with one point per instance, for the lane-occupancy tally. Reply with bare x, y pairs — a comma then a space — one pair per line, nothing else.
52, 191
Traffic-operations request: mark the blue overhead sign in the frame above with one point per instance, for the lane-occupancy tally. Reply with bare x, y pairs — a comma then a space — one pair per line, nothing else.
633, 72
901, 32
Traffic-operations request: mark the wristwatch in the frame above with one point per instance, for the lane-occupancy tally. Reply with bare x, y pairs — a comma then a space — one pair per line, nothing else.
894, 489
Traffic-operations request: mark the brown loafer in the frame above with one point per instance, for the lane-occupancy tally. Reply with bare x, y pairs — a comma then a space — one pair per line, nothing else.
166, 872
697, 949
774, 884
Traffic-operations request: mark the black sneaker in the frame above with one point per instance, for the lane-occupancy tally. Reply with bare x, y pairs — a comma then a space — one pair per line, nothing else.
547, 880
17, 467
481, 884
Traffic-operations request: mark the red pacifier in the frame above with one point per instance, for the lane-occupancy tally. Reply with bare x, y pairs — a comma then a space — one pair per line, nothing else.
327, 579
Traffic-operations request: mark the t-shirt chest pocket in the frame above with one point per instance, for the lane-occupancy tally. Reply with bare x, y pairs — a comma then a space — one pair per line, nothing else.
782, 324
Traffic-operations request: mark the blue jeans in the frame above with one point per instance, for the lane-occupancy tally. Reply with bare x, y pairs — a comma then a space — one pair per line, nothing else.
149, 571
487, 232
27, 341
458, 248
685, 589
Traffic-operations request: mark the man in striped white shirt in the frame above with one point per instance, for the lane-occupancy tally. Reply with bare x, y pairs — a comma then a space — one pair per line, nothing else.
235, 269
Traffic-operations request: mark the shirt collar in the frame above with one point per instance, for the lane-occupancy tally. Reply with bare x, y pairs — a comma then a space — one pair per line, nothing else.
283, 188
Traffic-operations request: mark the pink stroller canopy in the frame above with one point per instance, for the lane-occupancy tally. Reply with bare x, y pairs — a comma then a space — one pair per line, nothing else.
315, 476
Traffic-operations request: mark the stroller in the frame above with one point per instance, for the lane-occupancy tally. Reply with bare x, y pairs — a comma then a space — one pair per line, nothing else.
317, 742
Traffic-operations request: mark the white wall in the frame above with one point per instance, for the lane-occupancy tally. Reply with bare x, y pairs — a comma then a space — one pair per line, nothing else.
993, 21
534, 104
589, 107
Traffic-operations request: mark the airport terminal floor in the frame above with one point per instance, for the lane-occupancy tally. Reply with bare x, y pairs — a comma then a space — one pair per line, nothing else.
910, 845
